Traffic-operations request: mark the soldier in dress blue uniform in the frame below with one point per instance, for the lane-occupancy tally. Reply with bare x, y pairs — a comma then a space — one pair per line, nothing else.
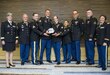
45, 24
90, 27
35, 37
66, 42
23, 35
9, 38
77, 26
56, 38
102, 40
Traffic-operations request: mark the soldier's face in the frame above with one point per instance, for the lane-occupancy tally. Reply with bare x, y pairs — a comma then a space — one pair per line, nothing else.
25, 18
55, 18
75, 14
47, 13
66, 23
89, 13
102, 19
36, 17
9, 18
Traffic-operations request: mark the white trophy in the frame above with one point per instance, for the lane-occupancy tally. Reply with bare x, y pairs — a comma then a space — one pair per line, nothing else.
51, 30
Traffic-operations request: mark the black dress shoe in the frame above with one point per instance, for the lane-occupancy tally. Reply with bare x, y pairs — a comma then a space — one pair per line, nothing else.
58, 63
73, 59
64, 61
99, 66
78, 62
7, 66
22, 63
67, 62
89, 63
55, 61
36, 63
41, 62
104, 69
27, 61
11, 65
49, 61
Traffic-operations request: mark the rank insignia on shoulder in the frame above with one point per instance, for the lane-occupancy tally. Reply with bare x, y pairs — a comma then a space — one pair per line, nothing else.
88, 21
95, 23
108, 23
40, 21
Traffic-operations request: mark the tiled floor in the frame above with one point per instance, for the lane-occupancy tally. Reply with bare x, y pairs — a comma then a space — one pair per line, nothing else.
52, 69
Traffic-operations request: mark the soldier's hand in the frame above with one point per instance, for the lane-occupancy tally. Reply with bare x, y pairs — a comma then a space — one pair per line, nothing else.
46, 34
104, 44
57, 34
54, 34
16, 42
3, 42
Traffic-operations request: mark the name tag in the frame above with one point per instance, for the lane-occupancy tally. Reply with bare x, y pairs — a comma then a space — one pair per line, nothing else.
13, 26
34, 27
102, 27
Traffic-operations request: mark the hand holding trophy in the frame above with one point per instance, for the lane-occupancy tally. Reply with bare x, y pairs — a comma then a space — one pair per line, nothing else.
50, 31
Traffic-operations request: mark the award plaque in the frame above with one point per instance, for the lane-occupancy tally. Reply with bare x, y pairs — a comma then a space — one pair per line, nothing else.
51, 30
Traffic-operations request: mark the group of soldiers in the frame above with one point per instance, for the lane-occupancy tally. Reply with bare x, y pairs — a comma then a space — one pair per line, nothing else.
53, 33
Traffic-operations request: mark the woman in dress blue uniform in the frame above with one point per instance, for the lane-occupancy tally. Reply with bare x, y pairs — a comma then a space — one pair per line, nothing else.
56, 38
66, 41
102, 40
9, 39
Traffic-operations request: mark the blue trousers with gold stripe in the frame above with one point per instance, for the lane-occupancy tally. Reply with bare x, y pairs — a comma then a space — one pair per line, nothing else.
35, 48
102, 55
45, 44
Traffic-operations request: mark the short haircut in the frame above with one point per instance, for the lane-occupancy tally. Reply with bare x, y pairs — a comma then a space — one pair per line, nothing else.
34, 14
103, 16
66, 20
75, 10
56, 16
24, 14
89, 10
47, 10
9, 14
